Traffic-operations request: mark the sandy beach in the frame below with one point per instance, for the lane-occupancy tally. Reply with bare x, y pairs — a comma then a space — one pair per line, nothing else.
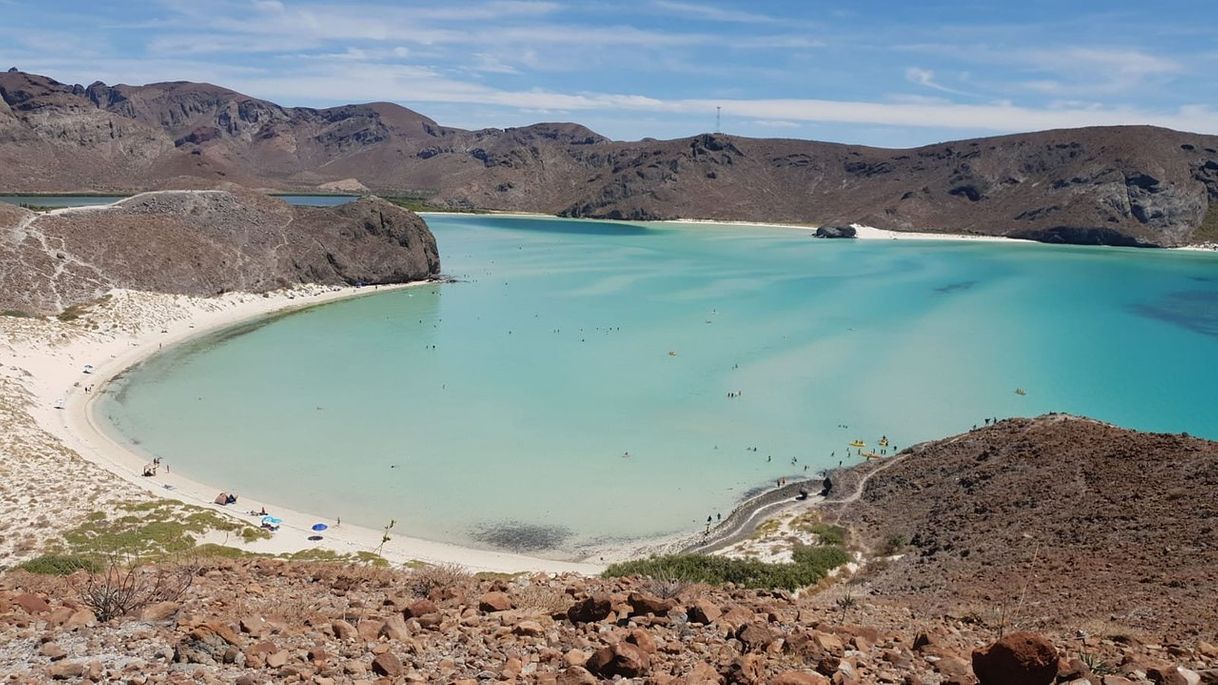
53, 444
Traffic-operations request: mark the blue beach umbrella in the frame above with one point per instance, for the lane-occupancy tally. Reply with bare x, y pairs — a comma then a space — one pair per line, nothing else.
320, 527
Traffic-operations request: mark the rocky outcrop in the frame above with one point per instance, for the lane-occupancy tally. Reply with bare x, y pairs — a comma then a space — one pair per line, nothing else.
1133, 185
205, 243
836, 232
1062, 519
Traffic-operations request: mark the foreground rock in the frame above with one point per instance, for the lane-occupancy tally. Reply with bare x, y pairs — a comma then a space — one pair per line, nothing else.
1133, 185
263, 621
206, 243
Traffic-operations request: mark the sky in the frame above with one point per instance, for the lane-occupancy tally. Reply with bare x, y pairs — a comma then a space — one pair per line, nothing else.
886, 73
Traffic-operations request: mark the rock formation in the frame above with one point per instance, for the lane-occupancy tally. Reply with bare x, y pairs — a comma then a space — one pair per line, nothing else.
1134, 185
204, 243
1056, 520
836, 232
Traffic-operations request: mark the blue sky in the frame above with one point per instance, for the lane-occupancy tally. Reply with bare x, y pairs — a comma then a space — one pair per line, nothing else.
874, 72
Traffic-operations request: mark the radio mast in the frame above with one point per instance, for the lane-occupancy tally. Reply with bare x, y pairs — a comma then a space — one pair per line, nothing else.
718, 118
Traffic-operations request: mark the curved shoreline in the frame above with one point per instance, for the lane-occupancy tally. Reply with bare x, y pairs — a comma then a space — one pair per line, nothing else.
77, 428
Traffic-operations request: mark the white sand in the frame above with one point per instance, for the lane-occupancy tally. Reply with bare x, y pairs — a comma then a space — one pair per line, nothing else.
46, 359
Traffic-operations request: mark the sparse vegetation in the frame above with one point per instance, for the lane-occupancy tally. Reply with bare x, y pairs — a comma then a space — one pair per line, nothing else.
60, 564
893, 544
17, 313
422, 580
124, 586
76, 311
810, 565
150, 529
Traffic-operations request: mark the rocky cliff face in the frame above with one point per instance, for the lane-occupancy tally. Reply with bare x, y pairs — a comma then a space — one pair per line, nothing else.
205, 243
1110, 185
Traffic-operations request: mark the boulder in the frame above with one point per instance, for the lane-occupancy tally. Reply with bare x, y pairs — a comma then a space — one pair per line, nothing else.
1016, 659
387, 664
33, 604
703, 611
590, 610
420, 607
836, 232
754, 636
624, 659
494, 601
642, 603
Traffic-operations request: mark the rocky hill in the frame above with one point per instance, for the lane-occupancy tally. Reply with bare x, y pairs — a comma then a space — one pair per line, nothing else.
204, 243
1057, 521
1109, 185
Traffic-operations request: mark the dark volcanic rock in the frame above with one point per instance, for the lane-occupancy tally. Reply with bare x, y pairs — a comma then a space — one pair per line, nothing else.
836, 232
205, 243
1130, 185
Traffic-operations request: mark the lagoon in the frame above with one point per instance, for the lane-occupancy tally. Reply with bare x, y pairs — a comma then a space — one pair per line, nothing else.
571, 390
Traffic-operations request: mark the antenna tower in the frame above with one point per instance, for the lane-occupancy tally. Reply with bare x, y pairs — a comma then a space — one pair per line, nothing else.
718, 118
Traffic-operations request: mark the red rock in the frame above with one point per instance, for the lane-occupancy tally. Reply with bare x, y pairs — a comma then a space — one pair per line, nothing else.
494, 601
643, 640
1016, 659
277, 659
528, 629
745, 670
342, 629
799, 678
575, 675
591, 610
63, 670
33, 604
160, 611
701, 674
369, 629
754, 636
52, 651
623, 659
419, 608
642, 603
81, 618
703, 611
395, 628
387, 664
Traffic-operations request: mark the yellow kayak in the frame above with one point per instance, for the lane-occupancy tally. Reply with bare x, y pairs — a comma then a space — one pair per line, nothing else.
858, 443
883, 442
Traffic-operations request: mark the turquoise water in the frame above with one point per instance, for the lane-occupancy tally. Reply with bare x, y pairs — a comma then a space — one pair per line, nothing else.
504, 404
89, 200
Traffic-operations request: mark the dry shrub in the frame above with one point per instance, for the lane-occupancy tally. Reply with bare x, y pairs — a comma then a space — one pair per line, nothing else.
664, 585
125, 586
541, 598
447, 577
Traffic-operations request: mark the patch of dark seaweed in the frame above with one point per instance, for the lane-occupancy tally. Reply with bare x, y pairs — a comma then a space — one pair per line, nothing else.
954, 287
517, 536
1195, 310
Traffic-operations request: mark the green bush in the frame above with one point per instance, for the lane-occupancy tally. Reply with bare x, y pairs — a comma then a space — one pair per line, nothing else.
828, 535
60, 565
810, 565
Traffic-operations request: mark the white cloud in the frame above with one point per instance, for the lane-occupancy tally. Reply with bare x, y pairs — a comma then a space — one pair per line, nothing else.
710, 13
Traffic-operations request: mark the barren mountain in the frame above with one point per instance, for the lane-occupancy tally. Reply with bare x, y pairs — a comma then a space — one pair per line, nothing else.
1056, 521
1111, 185
204, 243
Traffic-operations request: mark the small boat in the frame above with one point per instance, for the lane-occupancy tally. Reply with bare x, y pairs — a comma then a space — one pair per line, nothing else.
858, 443
1020, 391
884, 441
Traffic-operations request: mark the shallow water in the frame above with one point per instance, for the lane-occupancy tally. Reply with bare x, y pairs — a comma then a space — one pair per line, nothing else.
502, 407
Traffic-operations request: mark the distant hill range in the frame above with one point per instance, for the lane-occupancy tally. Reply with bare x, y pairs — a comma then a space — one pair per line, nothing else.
1107, 185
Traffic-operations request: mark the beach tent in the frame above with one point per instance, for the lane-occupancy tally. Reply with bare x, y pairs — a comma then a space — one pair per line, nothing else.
221, 498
